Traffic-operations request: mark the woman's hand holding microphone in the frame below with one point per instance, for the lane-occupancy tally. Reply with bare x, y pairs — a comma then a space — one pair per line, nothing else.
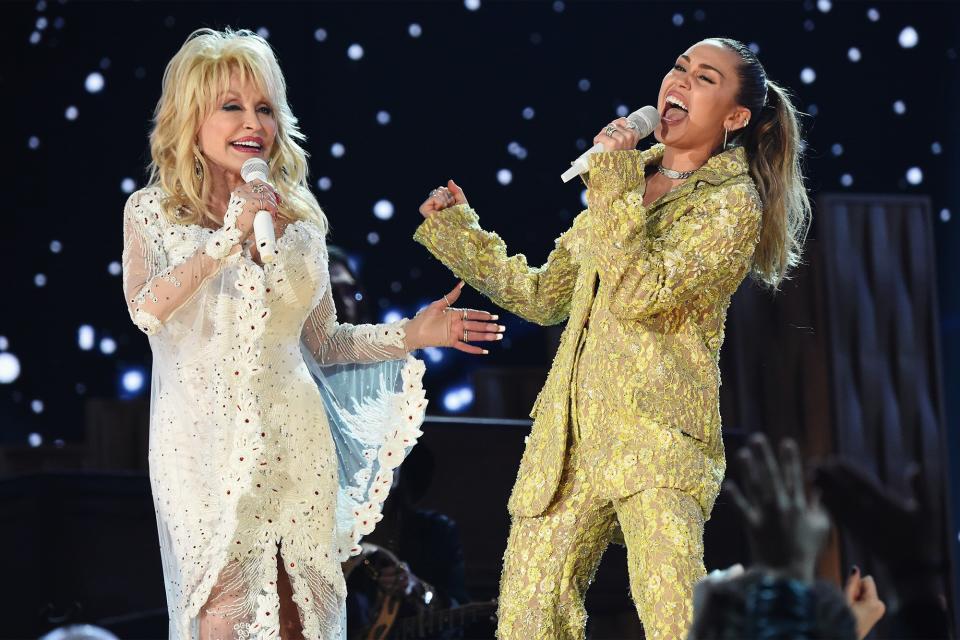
619, 135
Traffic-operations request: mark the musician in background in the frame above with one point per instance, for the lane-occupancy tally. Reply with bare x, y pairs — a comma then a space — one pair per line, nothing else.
414, 558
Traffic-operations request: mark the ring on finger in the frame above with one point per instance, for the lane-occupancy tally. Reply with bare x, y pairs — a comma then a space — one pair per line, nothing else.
610, 130
446, 299
633, 125
257, 188
464, 315
465, 335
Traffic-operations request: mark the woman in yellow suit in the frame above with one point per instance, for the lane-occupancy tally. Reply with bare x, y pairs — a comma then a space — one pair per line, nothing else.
627, 427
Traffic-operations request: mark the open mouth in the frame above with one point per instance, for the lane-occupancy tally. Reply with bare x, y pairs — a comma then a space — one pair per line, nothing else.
674, 109
247, 146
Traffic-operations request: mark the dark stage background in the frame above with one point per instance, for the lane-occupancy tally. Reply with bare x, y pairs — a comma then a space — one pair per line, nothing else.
396, 97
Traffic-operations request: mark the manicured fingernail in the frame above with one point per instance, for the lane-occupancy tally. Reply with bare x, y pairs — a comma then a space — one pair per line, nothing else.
461, 285
499, 336
500, 327
494, 317
485, 352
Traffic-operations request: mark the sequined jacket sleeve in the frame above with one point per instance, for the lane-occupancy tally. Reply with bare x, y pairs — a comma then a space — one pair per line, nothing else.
708, 245
538, 294
154, 289
331, 342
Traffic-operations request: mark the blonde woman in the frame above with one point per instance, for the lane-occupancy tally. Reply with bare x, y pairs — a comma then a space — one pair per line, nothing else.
626, 437
274, 430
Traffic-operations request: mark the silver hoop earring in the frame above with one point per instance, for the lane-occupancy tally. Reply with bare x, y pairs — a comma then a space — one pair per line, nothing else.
725, 132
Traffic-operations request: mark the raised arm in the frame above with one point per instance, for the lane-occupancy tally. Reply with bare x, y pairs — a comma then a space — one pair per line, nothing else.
155, 290
538, 294
710, 245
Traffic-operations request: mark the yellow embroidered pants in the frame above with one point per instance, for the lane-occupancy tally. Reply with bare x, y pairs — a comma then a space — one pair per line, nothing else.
551, 559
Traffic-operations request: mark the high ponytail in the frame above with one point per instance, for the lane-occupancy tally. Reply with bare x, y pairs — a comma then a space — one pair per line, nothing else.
773, 147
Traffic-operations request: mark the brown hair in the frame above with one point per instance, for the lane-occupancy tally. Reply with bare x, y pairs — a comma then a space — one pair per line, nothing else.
772, 141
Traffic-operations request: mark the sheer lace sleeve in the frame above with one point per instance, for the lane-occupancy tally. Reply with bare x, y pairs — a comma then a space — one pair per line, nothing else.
154, 289
330, 342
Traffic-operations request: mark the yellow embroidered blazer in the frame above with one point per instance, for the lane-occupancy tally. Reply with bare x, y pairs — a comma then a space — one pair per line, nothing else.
655, 284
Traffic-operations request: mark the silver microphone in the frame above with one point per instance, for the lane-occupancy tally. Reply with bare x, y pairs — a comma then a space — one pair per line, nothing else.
266, 237
644, 120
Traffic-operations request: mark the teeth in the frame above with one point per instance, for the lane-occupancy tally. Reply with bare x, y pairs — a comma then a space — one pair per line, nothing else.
677, 102
247, 143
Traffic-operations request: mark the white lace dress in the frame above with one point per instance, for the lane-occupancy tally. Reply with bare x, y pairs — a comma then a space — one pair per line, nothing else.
271, 425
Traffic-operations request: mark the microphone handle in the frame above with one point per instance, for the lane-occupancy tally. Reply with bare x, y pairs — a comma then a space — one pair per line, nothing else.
265, 235
581, 164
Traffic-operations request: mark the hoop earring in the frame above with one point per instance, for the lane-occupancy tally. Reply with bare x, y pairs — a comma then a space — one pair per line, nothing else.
725, 132
197, 168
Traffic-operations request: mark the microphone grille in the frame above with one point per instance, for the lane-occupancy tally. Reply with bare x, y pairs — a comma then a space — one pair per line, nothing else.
645, 119
254, 168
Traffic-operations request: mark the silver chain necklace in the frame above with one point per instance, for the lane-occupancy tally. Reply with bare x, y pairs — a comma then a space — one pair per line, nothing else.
675, 175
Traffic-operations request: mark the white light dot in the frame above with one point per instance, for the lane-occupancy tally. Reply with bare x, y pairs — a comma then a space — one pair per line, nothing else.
94, 82
337, 150
108, 345
35, 37
114, 268
127, 185
35, 439
71, 113
504, 176
808, 75
471, 5
458, 399
528, 113
373, 237
263, 32
415, 30
873, 15
383, 117
583, 197
41, 23
914, 175
132, 381
837, 149
56, 246
908, 38
677, 19
935, 148
40, 280
584, 84
392, 316
320, 35
85, 337
36, 406
622, 110
324, 183
944, 216
824, 5
354, 52
433, 354
9, 368
33, 142
900, 107
846, 180
4, 343
753, 46
853, 54
383, 209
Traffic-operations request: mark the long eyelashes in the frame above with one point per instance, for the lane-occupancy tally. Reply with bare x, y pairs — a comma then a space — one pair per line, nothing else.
680, 67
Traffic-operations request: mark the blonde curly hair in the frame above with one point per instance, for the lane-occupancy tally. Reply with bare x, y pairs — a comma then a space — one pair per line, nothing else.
193, 81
